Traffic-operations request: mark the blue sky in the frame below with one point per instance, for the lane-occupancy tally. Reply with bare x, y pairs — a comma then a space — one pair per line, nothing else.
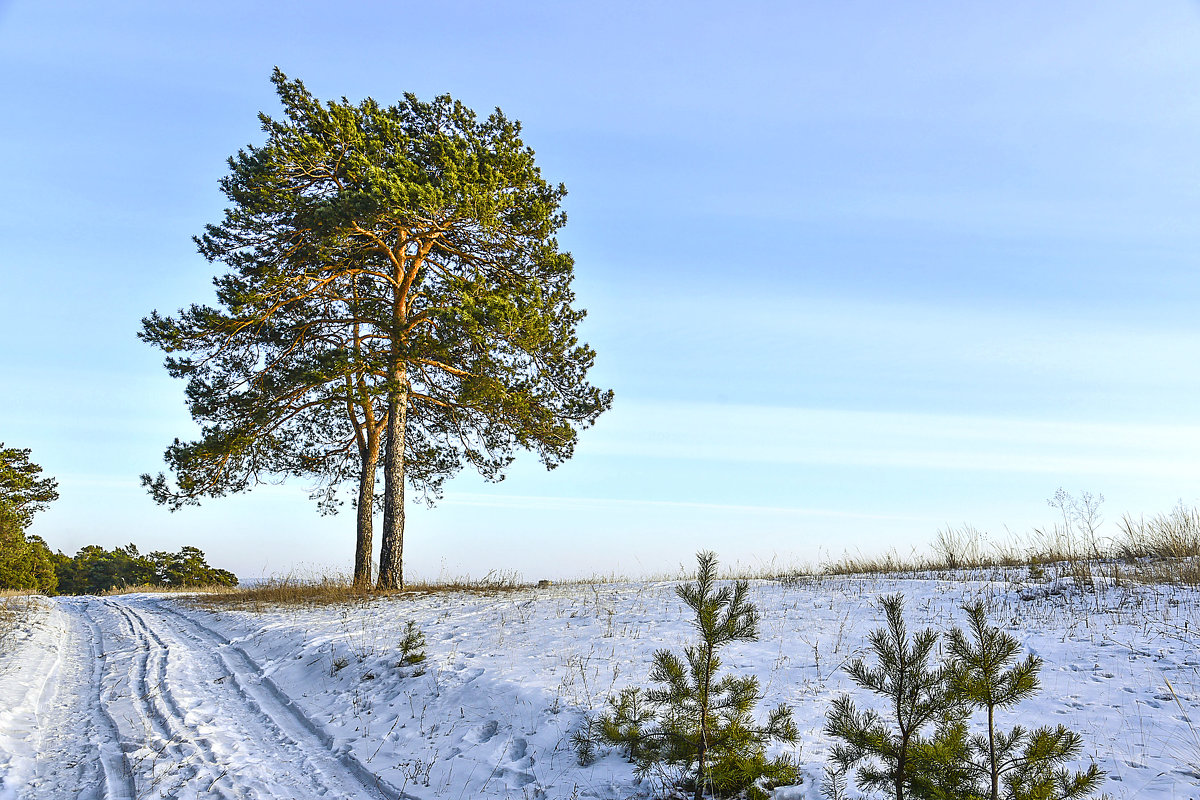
855, 271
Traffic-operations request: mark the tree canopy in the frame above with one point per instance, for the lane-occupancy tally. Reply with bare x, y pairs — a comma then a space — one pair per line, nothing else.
25, 561
396, 294
21, 490
94, 570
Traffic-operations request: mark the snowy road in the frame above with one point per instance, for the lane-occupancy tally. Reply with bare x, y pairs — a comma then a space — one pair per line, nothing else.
127, 699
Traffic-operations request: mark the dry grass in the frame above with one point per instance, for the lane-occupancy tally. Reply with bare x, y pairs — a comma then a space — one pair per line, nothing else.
1164, 549
14, 606
340, 590
154, 588
1173, 535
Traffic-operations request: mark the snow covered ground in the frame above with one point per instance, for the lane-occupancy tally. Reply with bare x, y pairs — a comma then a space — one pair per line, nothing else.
145, 696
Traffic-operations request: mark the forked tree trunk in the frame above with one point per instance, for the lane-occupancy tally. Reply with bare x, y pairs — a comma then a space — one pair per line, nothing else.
391, 548
365, 544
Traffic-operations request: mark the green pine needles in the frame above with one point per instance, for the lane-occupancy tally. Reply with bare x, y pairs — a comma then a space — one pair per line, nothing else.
916, 695
412, 651
1020, 764
923, 747
694, 726
395, 301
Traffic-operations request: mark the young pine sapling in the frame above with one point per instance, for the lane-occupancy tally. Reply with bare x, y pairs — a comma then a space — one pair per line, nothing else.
984, 675
693, 720
412, 651
894, 755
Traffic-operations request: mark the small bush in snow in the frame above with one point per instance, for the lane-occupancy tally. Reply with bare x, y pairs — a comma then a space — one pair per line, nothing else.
696, 726
888, 750
1020, 764
412, 651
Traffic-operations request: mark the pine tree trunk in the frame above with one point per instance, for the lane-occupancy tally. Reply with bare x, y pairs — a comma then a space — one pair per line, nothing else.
992, 753
366, 508
702, 748
391, 548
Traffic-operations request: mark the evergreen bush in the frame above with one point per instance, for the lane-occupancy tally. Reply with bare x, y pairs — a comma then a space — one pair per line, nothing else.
412, 651
694, 727
925, 749
888, 752
1020, 764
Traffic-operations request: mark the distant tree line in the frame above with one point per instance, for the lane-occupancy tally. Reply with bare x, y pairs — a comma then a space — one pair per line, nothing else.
94, 570
26, 561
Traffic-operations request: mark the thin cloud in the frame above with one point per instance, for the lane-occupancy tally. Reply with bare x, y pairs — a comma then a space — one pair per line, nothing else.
613, 503
740, 433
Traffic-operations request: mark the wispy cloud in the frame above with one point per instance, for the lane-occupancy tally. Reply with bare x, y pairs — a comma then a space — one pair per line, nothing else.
741, 433
553, 503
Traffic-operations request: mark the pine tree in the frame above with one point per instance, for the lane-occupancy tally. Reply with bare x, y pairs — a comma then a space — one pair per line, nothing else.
984, 675
21, 489
695, 721
396, 292
25, 560
895, 757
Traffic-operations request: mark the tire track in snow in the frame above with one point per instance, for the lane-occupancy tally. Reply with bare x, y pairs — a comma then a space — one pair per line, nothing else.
254, 714
176, 752
114, 780
73, 749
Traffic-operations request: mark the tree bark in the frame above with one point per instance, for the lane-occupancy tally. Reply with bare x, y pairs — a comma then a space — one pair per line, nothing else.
365, 544
992, 752
391, 548
702, 746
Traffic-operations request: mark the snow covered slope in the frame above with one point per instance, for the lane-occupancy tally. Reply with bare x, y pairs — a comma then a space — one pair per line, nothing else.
310, 702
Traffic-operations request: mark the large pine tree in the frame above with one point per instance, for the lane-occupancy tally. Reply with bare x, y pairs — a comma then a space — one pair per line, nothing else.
396, 289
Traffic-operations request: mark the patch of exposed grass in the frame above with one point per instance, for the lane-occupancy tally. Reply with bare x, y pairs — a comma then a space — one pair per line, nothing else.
154, 588
1164, 549
1173, 535
323, 590
14, 606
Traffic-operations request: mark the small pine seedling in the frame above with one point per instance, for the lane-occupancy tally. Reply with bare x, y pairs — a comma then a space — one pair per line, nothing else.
984, 675
412, 651
694, 721
891, 753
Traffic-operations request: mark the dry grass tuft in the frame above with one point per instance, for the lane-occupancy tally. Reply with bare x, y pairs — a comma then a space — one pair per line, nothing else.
1173, 535
1164, 549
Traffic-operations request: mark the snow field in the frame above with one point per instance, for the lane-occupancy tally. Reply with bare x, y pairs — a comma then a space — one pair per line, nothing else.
23, 688
510, 676
148, 696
